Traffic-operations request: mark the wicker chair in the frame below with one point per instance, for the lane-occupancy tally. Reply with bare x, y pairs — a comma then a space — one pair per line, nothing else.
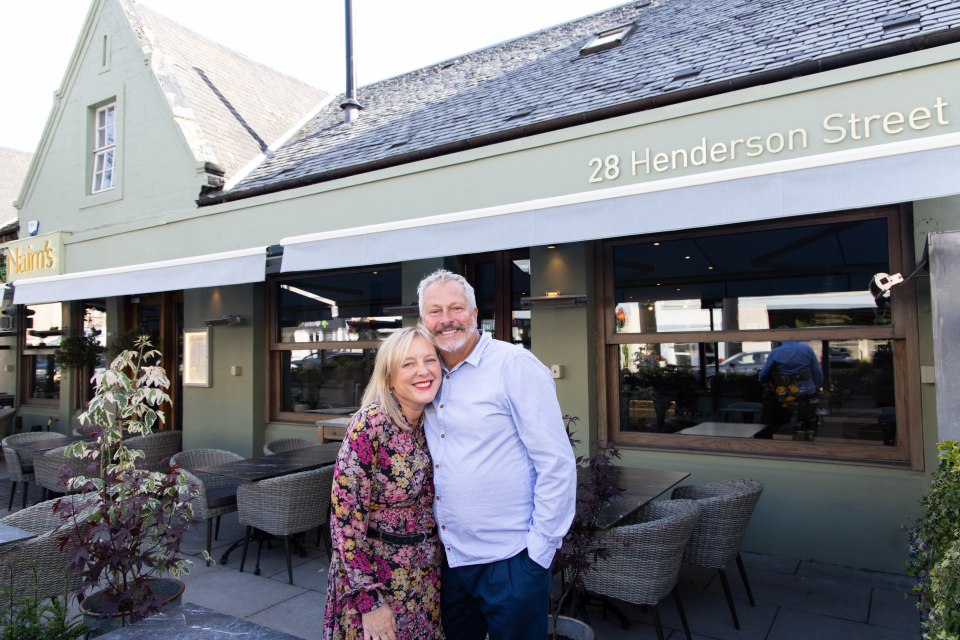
645, 558
20, 464
52, 469
38, 565
284, 506
218, 494
157, 447
725, 510
287, 444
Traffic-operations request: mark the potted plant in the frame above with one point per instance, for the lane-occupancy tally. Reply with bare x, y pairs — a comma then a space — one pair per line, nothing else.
581, 548
136, 518
935, 548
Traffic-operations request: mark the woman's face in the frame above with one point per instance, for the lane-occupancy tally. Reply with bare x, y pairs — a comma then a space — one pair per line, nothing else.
417, 379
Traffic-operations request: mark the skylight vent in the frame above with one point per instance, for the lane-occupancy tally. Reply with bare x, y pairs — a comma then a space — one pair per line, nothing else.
689, 72
523, 113
607, 39
894, 22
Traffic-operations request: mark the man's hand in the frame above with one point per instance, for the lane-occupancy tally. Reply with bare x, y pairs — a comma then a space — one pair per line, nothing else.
379, 624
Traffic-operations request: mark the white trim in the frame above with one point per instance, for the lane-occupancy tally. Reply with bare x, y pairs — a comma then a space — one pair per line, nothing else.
210, 270
723, 175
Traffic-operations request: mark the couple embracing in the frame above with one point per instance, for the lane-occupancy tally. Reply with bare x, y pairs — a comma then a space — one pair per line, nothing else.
454, 486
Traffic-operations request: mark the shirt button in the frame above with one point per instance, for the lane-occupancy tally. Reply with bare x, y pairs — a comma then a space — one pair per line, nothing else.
447, 376
436, 466
438, 498
443, 435
443, 527
441, 406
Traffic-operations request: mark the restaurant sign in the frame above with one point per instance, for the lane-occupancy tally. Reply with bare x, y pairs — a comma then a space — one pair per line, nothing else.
34, 256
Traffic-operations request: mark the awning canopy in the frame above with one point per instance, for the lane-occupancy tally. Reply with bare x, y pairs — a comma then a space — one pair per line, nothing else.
211, 270
879, 175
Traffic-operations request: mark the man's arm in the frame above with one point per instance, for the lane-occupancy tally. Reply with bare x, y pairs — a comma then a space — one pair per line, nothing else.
532, 397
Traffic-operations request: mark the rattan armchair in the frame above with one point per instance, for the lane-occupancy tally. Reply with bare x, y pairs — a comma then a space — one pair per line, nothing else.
284, 506
157, 447
287, 444
20, 464
725, 510
53, 469
218, 494
644, 558
38, 565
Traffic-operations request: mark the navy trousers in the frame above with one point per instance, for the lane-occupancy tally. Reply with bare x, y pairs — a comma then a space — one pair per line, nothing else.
509, 600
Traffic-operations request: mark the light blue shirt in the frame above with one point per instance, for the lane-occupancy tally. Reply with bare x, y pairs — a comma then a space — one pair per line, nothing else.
504, 469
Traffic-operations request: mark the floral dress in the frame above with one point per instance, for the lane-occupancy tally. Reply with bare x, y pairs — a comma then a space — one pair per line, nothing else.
383, 479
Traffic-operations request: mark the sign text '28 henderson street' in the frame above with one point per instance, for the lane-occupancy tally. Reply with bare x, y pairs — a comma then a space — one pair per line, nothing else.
836, 128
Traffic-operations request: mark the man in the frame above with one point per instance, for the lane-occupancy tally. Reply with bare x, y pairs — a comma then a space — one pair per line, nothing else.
790, 364
504, 472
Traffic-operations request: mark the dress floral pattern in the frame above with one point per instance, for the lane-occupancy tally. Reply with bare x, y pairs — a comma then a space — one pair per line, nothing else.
383, 479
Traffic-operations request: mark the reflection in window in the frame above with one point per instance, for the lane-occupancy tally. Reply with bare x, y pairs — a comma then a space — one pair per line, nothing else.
686, 389
328, 328
811, 276
41, 339
94, 328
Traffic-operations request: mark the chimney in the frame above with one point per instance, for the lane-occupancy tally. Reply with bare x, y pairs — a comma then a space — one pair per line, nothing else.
351, 108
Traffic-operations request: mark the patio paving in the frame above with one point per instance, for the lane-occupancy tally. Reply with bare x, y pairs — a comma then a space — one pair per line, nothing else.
795, 599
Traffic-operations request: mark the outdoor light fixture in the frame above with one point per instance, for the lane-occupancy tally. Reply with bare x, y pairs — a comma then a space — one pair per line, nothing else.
554, 299
223, 320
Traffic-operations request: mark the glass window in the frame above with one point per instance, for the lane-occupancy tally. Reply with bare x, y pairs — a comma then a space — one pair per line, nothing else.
764, 340
104, 148
94, 326
42, 335
328, 327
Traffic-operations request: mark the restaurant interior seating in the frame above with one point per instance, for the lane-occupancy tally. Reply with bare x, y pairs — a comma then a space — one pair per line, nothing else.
725, 510
20, 464
284, 506
216, 495
158, 447
52, 469
644, 558
38, 565
287, 444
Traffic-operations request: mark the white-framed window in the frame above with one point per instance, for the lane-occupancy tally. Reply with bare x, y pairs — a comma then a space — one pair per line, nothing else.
104, 148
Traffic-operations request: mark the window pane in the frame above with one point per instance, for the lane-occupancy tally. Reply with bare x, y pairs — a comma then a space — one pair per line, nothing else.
44, 376
339, 307
43, 325
688, 389
812, 276
325, 380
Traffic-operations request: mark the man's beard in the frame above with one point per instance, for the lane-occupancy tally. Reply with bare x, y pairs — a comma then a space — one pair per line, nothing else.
452, 344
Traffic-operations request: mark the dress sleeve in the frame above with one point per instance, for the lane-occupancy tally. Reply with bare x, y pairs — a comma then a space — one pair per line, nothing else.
365, 574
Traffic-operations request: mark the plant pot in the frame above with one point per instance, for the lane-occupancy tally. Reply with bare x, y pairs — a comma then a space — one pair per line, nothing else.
169, 590
570, 628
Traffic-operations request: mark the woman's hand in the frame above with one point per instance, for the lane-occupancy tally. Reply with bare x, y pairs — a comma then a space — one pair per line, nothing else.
379, 624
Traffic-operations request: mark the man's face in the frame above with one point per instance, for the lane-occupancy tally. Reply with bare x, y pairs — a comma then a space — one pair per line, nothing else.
448, 317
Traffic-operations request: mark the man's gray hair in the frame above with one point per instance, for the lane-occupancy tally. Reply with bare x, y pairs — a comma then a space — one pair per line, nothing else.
442, 275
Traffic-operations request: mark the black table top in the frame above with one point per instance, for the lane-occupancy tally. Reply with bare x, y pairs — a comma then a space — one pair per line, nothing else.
640, 487
262, 467
10, 534
193, 622
47, 443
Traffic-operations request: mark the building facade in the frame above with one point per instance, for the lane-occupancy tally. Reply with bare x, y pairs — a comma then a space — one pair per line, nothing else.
649, 208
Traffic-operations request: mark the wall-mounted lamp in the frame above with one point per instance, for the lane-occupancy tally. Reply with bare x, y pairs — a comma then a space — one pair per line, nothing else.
554, 299
223, 320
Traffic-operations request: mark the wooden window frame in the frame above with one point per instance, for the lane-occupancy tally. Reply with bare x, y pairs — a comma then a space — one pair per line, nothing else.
902, 332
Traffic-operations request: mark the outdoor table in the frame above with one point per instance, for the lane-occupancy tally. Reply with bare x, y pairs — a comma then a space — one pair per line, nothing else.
333, 429
280, 464
724, 429
9, 535
36, 446
193, 622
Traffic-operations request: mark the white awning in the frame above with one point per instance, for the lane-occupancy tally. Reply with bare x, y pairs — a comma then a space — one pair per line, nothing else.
211, 270
854, 178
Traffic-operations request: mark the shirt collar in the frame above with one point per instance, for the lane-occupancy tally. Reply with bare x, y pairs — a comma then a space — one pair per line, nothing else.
474, 358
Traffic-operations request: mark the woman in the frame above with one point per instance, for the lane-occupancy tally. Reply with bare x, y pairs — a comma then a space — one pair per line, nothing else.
384, 580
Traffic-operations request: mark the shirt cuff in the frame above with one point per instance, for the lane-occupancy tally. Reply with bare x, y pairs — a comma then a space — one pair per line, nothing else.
541, 550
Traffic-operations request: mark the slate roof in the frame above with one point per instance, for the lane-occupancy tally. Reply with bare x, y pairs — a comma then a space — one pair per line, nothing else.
13, 169
540, 82
229, 107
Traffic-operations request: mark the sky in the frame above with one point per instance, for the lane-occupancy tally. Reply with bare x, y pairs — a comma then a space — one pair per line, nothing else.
303, 38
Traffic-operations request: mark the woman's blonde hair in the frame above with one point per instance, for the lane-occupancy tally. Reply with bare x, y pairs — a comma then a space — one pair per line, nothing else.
390, 356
